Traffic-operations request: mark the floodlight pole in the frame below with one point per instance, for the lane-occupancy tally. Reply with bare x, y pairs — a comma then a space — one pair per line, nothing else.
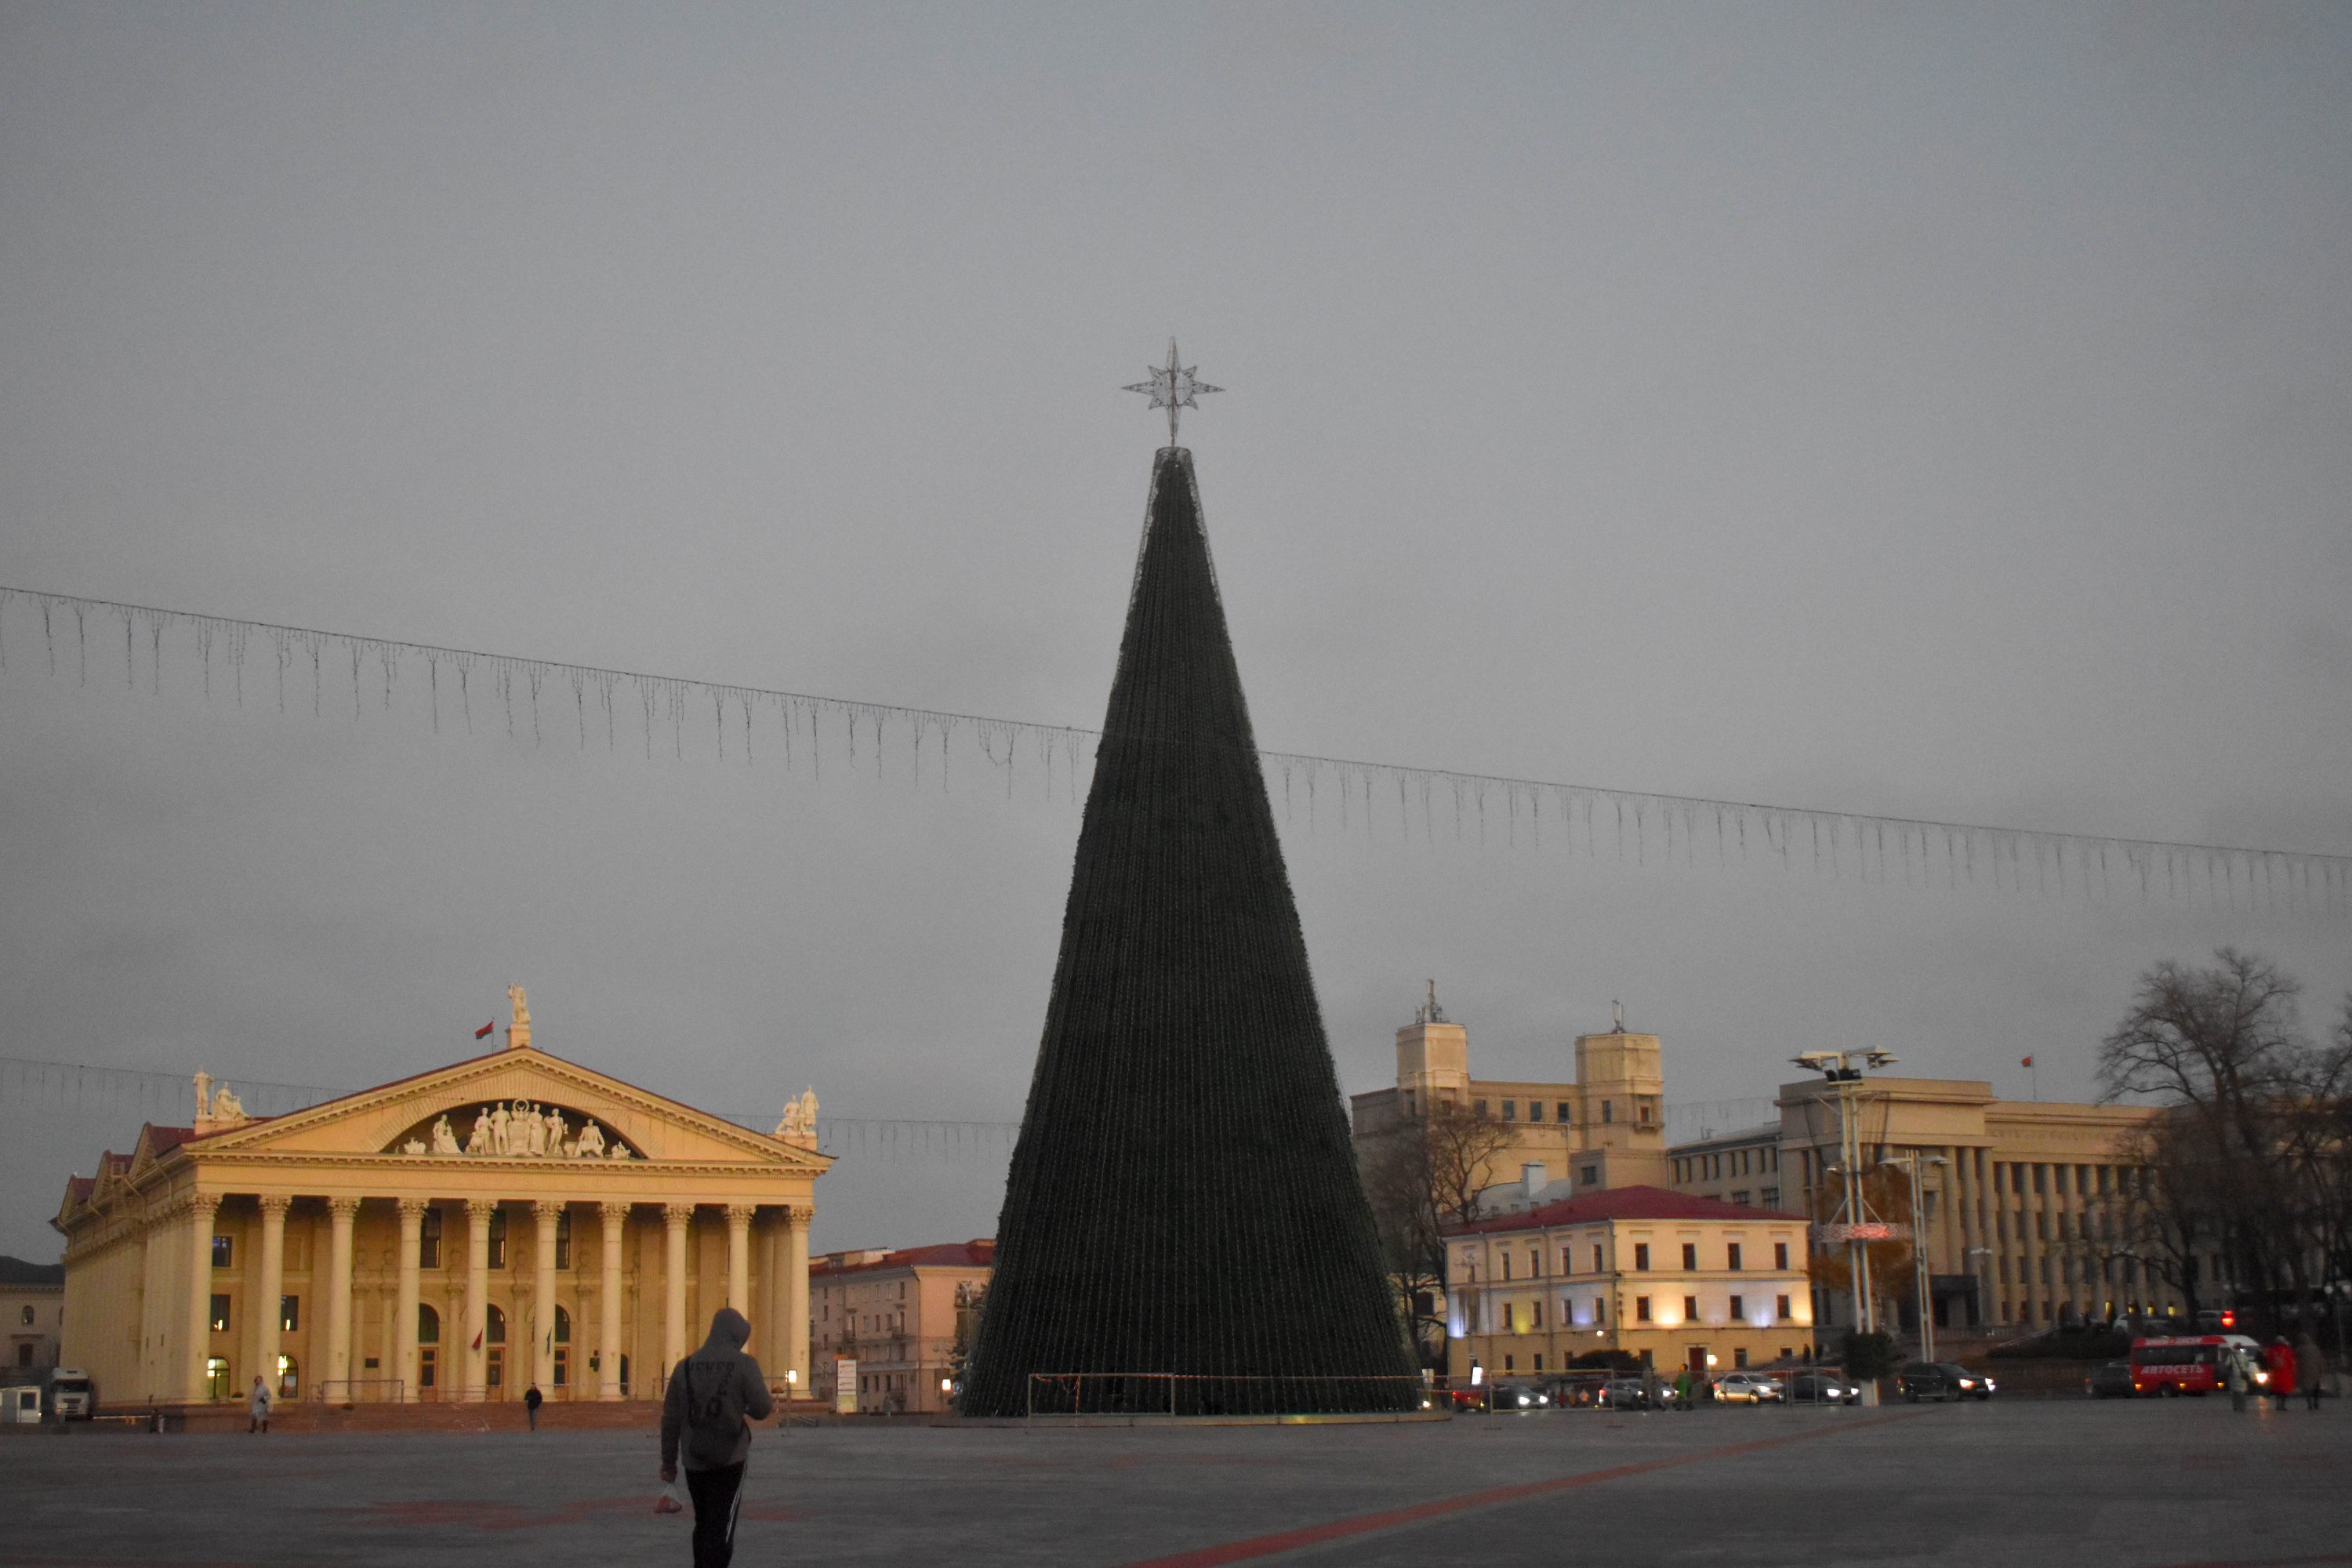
1913, 1161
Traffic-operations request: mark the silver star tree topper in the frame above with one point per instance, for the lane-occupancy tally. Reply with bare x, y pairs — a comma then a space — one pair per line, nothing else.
1172, 388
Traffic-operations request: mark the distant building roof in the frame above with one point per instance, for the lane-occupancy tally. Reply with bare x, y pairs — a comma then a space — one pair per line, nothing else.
1621, 1202
16, 1271
974, 1254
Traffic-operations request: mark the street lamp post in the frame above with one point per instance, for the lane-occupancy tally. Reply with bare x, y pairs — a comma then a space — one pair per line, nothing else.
1913, 1161
1843, 1071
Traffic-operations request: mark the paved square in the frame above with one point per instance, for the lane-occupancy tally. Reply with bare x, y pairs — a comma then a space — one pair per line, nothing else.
2128, 1482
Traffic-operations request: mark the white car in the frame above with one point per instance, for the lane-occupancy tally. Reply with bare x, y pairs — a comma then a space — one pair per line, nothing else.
1747, 1388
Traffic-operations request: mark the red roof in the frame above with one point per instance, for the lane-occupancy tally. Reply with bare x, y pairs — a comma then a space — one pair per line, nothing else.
163, 1140
977, 1254
78, 1188
1621, 1202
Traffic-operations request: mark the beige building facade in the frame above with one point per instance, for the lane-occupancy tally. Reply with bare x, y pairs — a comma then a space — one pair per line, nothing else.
2021, 1201
32, 1305
1667, 1276
460, 1235
1606, 1128
904, 1317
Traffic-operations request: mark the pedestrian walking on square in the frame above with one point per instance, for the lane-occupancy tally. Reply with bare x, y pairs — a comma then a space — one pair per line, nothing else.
2309, 1368
531, 1400
713, 1397
2234, 1372
1682, 1389
258, 1402
2279, 1359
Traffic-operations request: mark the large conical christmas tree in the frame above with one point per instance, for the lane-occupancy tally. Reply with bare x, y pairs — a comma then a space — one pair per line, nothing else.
1183, 1198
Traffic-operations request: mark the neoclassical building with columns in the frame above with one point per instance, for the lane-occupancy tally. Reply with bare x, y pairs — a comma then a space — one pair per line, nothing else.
460, 1235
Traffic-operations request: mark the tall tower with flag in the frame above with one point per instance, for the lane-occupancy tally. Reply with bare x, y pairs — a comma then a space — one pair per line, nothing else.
1183, 1228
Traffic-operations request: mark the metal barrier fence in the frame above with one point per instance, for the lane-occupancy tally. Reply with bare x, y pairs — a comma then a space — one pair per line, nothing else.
1187, 1393
1622, 1391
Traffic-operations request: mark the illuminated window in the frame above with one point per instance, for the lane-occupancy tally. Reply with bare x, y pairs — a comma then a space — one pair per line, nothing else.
224, 1250
289, 1378
290, 1313
220, 1314
498, 1238
217, 1378
28, 1317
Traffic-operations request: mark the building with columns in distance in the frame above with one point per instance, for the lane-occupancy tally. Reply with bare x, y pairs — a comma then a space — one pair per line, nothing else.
2023, 1202
460, 1235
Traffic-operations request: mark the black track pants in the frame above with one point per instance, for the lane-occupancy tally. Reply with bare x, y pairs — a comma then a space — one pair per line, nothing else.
717, 1496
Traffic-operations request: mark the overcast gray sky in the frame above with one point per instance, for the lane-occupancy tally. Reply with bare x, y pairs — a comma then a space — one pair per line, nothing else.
1938, 411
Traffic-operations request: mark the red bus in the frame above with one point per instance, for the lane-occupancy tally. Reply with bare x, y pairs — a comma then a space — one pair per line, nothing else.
2194, 1363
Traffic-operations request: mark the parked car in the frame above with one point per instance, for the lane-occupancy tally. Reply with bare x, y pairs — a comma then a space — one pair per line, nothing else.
1517, 1397
1822, 1388
1624, 1393
1942, 1380
2111, 1380
1747, 1388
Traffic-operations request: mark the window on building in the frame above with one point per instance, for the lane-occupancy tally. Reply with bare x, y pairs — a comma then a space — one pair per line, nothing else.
1731, 1260
1568, 1260
1608, 1111
290, 1313
1599, 1311
564, 1239
1509, 1365
1740, 1356
1510, 1111
1644, 1107
1641, 1255
1690, 1256
1640, 1309
1596, 1258
217, 1383
428, 1240
1534, 1314
25, 1353
1560, 1111
1779, 1255
1740, 1199
1539, 1361
1772, 1199
428, 1325
224, 1250
1507, 1265
1781, 1308
1478, 1108
1589, 1175
28, 1316
1690, 1308
220, 1314
498, 1238
289, 1378
1535, 1113
1535, 1263
1738, 1308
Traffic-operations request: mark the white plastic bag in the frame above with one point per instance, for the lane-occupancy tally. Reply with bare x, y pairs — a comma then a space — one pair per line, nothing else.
671, 1500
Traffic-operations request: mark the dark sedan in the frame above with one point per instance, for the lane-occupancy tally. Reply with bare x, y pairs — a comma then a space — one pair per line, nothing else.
1942, 1380
2111, 1380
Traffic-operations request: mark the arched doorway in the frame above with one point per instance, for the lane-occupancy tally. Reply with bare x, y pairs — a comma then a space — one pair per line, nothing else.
494, 1355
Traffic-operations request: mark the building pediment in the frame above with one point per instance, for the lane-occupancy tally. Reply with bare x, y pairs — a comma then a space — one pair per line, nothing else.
513, 1105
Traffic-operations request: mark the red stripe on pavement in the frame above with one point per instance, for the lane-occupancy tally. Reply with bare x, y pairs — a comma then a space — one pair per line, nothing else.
1438, 1508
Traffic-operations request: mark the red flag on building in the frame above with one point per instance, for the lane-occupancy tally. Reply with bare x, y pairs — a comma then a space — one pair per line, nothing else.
486, 1028
477, 1341
2025, 1062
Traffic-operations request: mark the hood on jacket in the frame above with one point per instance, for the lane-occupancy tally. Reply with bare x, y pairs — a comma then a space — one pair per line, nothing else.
730, 1331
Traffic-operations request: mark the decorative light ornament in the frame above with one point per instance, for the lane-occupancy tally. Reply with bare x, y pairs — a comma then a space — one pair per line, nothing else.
1172, 388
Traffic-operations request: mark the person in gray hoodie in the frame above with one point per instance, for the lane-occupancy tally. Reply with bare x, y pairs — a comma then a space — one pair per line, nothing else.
713, 1397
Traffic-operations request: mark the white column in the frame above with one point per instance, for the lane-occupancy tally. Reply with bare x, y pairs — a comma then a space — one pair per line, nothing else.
268, 1288
676, 1219
615, 1218
471, 1345
542, 1306
403, 1320
197, 1323
775, 1333
739, 1257
340, 1214
796, 1298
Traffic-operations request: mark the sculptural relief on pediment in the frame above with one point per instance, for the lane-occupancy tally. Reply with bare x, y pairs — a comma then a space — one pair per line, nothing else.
512, 1130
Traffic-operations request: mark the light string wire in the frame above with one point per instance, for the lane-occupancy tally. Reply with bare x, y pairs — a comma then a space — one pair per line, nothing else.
1378, 800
